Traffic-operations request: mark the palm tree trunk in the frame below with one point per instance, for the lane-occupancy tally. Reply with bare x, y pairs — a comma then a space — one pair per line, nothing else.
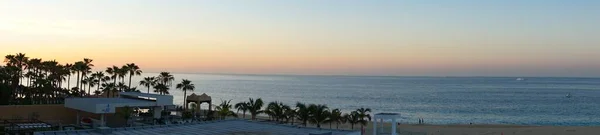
330, 125
89, 89
184, 99
130, 81
77, 79
148, 88
69, 81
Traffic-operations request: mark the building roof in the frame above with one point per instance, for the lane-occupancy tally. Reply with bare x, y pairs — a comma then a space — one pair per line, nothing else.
108, 105
241, 127
104, 105
199, 98
387, 116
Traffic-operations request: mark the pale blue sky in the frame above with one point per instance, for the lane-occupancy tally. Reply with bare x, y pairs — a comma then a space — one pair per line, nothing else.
356, 37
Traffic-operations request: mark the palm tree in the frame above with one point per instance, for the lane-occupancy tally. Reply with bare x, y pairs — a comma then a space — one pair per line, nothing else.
318, 114
69, 68
19, 60
290, 114
108, 88
78, 67
122, 72
224, 110
254, 107
165, 78
363, 114
243, 106
276, 110
185, 85
161, 89
112, 72
303, 113
352, 118
98, 79
133, 70
148, 82
335, 117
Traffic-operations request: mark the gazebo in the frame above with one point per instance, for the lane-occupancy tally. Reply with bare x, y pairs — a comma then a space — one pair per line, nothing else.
385, 116
203, 98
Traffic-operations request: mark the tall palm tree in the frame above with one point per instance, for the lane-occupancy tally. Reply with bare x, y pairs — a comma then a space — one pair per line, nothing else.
165, 78
86, 67
318, 114
243, 106
290, 114
112, 74
303, 113
352, 118
97, 78
78, 67
19, 60
185, 85
335, 117
363, 115
108, 88
161, 89
148, 82
133, 70
123, 71
254, 107
69, 68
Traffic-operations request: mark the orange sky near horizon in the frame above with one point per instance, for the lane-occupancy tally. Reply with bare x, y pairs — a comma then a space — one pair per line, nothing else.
314, 37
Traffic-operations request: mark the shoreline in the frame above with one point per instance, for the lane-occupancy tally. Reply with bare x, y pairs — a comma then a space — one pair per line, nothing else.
466, 129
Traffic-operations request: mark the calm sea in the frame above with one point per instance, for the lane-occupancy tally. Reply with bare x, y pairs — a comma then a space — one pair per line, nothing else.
438, 100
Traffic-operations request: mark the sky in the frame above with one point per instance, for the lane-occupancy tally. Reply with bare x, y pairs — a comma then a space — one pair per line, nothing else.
316, 37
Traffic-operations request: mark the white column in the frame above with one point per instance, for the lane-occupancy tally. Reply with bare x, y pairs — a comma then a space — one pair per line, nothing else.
157, 112
394, 124
102, 122
381, 128
375, 127
78, 122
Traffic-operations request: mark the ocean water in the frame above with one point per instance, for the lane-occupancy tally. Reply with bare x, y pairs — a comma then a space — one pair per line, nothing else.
438, 100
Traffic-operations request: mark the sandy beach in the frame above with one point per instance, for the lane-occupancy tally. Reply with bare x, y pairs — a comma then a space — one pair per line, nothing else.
476, 129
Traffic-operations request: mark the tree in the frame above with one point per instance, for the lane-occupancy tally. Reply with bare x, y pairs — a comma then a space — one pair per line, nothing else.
224, 110
290, 114
243, 106
108, 88
112, 73
98, 79
185, 85
133, 70
161, 89
148, 82
254, 107
303, 113
335, 117
363, 115
165, 78
318, 114
69, 68
352, 118
276, 110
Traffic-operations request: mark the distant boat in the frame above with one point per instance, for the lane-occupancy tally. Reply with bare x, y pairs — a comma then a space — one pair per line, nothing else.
569, 95
520, 79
